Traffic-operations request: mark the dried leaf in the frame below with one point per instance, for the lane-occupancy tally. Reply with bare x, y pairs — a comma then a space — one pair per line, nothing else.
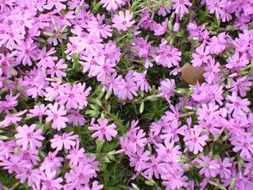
191, 74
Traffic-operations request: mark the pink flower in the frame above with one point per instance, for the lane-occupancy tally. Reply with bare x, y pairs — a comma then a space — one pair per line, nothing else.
97, 27
9, 103
95, 186
241, 86
218, 43
74, 97
57, 114
128, 88
179, 180
134, 139
207, 111
28, 137
75, 155
112, 5
51, 162
31, 175
194, 140
53, 91
26, 52
181, 7
142, 49
237, 61
167, 56
141, 81
103, 130
209, 167
123, 20
212, 70
112, 83
80, 175
167, 88
76, 118
160, 29
35, 83
12, 119
57, 3
243, 143
216, 6
14, 164
37, 111
46, 58
139, 160
30, 155
10, 37
197, 32
50, 181
225, 167
154, 168
201, 56
66, 141
237, 105
56, 70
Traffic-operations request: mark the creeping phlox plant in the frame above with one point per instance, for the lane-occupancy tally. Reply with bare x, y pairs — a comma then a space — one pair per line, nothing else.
126, 94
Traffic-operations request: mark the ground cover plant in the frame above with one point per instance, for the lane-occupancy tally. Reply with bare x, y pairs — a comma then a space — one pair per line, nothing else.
126, 94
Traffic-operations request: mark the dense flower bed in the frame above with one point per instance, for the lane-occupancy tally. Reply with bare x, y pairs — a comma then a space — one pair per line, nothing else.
126, 94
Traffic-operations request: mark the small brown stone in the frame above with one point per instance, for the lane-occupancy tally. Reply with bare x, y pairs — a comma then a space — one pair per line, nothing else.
191, 74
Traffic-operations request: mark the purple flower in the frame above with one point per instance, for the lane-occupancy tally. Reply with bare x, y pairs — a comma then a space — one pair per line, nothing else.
244, 144
139, 160
76, 118
37, 111
154, 167
103, 130
26, 52
75, 155
56, 70
241, 86
208, 167
201, 56
197, 32
225, 167
112, 5
128, 88
28, 137
207, 111
141, 81
32, 176
134, 139
212, 70
74, 97
195, 140
218, 43
181, 7
80, 175
143, 50
167, 56
50, 181
97, 27
237, 61
237, 105
216, 6
51, 162
167, 88
57, 115
66, 141
12, 119
57, 3
123, 20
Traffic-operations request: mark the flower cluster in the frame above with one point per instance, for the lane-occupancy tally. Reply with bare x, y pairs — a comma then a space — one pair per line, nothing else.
73, 74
